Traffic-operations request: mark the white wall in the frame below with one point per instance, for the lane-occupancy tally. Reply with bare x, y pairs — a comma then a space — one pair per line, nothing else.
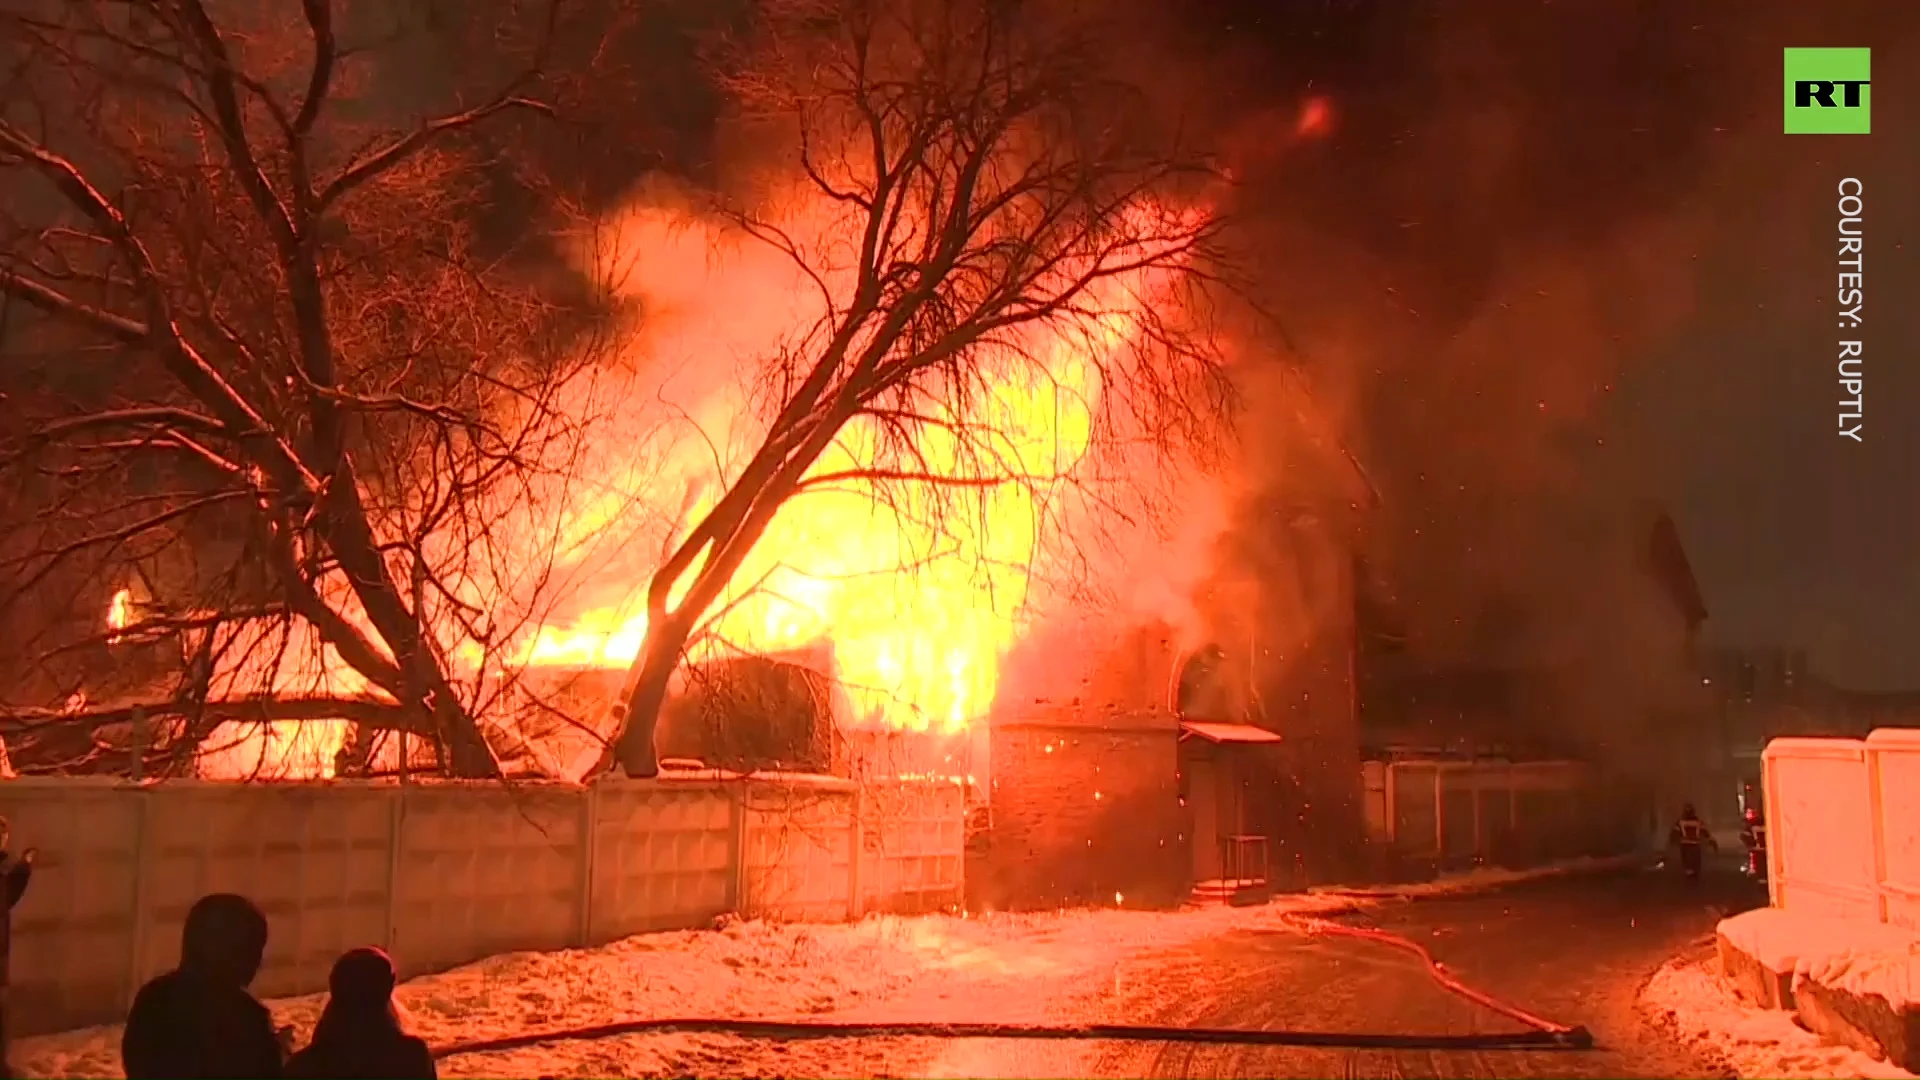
445, 873
1843, 822
1459, 813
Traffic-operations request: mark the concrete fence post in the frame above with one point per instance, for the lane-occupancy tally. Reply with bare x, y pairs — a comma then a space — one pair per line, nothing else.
137, 766
1777, 831
856, 848
138, 917
1390, 804
736, 793
396, 860
589, 846
1877, 831
1476, 792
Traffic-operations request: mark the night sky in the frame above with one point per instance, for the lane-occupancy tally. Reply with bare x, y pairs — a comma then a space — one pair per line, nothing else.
1563, 253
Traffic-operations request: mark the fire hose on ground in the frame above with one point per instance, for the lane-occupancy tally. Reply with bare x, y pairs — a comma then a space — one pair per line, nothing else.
1538, 1034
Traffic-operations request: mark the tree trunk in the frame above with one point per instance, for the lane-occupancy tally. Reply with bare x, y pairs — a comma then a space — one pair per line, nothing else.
469, 756
645, 697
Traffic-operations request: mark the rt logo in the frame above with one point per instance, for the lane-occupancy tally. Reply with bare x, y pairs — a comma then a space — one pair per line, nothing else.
1827, 92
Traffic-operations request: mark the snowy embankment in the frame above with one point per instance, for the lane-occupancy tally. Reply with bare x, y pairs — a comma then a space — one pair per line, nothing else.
1757, 1043
1854, 956
1792, 959
1001, 968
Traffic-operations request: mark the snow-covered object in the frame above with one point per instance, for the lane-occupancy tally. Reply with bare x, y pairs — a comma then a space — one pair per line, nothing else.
1896, 757
1756, 1043
1851, 955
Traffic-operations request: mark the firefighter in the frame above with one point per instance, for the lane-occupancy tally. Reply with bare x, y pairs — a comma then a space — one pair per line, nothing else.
1753, 833
1691, 834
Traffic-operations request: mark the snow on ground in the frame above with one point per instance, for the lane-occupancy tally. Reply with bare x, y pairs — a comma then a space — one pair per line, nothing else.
1703, 1009
1007, 968
1000, 968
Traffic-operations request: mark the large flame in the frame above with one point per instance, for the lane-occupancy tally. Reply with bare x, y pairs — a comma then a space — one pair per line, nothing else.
918, 591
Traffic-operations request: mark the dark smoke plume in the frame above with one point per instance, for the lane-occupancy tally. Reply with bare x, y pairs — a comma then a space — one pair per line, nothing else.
1499, 217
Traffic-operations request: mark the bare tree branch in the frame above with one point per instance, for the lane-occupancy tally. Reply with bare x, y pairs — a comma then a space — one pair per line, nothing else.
975, 202
346, 392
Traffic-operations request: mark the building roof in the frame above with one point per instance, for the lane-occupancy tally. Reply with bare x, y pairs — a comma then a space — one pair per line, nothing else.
1227, 733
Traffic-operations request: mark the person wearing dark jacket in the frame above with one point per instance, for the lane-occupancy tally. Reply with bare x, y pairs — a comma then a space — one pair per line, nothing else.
1754, 834
359, 1036
14, 876
1692, 834
198, 1022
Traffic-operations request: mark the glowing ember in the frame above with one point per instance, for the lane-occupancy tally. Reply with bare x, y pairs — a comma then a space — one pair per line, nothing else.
1316, 118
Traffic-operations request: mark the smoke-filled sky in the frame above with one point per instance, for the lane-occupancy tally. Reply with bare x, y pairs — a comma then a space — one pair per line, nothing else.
1561, 257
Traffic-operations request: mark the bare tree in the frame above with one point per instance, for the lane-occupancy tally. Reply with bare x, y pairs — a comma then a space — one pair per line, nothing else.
258, 358
996, 186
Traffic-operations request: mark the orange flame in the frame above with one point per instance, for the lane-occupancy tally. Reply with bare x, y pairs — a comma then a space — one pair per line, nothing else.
917, 595
119, 612
918, 604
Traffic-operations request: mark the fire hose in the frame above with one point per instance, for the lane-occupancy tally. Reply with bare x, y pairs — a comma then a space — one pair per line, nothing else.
1540, 1034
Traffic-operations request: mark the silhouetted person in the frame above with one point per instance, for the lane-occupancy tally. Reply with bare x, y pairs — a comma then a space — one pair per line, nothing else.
1753, 833
198, 1022
14, 876
1692, 834
359, 1036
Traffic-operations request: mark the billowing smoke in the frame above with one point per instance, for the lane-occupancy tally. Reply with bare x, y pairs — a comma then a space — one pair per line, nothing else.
1496, 218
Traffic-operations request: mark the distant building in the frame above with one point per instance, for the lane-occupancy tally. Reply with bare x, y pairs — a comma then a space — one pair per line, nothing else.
1508, 707
1770, 693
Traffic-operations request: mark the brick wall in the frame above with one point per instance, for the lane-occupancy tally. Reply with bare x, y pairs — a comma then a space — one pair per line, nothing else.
1082, 815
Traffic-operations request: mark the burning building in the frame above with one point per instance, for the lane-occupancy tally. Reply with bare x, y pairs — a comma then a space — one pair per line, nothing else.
1130, 760
1083, 804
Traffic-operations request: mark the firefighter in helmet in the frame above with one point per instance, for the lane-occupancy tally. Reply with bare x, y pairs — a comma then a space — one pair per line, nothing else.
1692, 834
1753, 833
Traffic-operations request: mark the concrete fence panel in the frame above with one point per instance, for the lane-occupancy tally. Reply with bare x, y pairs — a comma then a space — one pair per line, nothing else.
481, 870
1460, 824
1413, 793
912, 847
442, 874
1893, 760
663, 856
798, 848
314, 857
75, 932
1445, 813
1821, 823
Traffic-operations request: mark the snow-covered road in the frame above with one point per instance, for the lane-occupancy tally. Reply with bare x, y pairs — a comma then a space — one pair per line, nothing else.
1065, 967
1001, 968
